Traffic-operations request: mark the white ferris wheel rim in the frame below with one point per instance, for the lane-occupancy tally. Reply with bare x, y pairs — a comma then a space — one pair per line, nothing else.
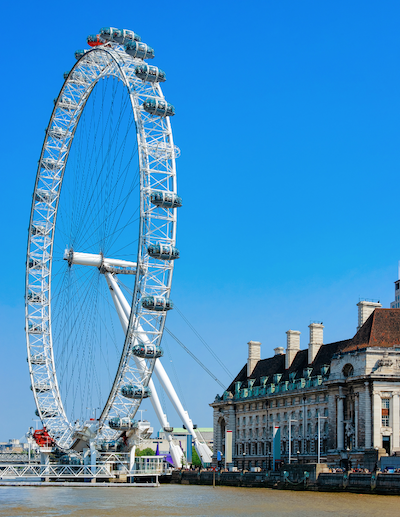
156, 153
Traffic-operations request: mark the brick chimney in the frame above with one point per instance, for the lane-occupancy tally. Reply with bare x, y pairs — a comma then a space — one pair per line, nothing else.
316, 340
365, 309
293, 346
254, 356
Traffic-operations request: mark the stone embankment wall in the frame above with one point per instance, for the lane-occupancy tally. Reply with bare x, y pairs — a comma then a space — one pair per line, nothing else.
326, 482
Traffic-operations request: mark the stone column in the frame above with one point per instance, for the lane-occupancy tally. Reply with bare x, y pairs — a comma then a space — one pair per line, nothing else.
340, 425
377, 419
356, 420
304, 426
367, 417
395, 416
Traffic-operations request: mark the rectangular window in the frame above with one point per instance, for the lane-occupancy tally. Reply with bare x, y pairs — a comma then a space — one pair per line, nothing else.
385, 412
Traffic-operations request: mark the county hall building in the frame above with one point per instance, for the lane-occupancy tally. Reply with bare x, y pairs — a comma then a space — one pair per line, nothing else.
349, 391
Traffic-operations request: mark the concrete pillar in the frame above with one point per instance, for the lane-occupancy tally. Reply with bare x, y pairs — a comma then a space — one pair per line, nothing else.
377, 419
304, 426
394, 411
93, 458
367, 417
356, 420
340, 425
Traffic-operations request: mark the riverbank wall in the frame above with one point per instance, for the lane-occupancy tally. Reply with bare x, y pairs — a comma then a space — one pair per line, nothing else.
311, 477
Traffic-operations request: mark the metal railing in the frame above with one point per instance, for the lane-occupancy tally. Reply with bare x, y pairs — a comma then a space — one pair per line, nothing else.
54, 471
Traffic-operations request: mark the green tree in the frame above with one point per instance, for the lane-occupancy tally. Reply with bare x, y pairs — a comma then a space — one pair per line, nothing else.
195, 458
145, 452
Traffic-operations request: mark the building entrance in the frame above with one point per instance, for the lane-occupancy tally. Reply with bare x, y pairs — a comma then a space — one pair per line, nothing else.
386, 443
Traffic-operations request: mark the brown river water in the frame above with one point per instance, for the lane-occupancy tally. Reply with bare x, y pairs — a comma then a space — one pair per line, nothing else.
186, 500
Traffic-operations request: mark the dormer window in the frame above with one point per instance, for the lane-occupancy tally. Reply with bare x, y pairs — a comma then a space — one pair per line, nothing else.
348, 370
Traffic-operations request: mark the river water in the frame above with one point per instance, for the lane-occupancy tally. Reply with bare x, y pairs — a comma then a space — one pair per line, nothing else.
188, 501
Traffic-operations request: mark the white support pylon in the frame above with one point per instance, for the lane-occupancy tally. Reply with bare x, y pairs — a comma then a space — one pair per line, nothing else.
202, 448
175, 450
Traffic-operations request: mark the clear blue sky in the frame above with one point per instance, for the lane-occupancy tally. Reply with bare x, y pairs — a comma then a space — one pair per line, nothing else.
288, 123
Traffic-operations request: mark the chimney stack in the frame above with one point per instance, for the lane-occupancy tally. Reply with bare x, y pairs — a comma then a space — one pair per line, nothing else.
254, 356
316, 340
365, 309
279, 350
293, 346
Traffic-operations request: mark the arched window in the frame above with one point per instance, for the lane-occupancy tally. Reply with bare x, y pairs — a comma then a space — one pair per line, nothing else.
348, 370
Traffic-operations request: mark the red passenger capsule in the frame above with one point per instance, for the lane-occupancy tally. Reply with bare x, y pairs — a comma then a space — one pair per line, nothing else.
94, 40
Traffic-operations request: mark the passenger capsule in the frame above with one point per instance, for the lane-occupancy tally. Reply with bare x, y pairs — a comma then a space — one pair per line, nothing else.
35, 297
58, 133
127, 35
52, 164
112, 446
159, 107
70, 460
34, 263
147, 351
38, 359
163, 251
94, 40
110, 33
44, 196
77, 78
37, 229
47, 413
34, 328
165, 199
41, 387
66, 104
122, 424
150, 73
157, 303
140, 50
135, 392
80, 53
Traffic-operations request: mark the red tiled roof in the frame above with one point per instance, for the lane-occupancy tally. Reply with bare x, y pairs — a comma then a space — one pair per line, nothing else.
382, 329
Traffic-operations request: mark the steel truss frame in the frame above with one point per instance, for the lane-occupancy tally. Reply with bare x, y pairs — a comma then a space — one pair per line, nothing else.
157, 153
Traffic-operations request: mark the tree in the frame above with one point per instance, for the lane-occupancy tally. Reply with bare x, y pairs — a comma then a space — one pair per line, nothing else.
145, 452
195, 458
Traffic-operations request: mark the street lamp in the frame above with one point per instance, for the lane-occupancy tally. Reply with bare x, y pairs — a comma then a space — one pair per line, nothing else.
141, 414
290, 437
244, 459
298, 456
319, 437
94, 409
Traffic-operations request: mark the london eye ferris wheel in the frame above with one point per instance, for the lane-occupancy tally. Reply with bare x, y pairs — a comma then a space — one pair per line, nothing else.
102, 246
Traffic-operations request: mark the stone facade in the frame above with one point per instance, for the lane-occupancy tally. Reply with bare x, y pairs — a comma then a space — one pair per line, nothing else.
346, 393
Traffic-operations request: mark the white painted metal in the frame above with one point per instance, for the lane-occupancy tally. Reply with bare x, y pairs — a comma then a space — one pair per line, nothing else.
91, 259
123, 310
156, 155
202, 448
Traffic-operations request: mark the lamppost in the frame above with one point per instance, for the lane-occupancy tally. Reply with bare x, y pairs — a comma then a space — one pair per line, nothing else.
141, 414
298, 456
319, 437
94, 409
290, 438
244, 457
